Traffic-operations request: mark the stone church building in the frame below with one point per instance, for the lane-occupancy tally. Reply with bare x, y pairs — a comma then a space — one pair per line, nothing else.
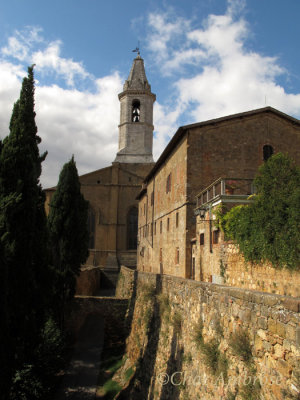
197, 156
143, 213
112, 191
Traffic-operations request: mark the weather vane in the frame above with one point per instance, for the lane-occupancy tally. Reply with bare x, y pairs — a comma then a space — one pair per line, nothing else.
137, 49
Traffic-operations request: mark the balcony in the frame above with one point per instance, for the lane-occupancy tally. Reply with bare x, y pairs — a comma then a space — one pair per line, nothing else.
226, 190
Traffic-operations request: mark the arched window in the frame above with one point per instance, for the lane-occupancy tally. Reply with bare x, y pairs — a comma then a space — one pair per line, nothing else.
132, 228
136, 111
91, 227
267, 152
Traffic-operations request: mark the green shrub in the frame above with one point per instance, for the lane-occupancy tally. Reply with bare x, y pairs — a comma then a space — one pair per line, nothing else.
177, 322
198, 336
164, 306
240, 344
268, 228
251, 391
147, 318
188, 358
128, 374
148, 292
211, 353
215, 360
36, 380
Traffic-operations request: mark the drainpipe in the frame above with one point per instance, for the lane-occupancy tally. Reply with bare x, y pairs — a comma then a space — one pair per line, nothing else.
210, 229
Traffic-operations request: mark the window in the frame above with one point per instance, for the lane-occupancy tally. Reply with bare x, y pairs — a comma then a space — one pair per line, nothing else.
136, 111
168, 224
201, 239
177, 255
168, 183
267, 152
177, 219
132, 228
160, 228
216, 236
152, 199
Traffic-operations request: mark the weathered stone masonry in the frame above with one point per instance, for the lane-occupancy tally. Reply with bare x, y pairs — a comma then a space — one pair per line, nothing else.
163, 342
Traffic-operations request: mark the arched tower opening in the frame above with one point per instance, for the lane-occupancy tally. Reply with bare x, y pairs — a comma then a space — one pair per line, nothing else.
135, 114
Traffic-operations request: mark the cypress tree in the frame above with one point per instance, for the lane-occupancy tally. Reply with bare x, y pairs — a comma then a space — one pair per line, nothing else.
67, 222
22, 230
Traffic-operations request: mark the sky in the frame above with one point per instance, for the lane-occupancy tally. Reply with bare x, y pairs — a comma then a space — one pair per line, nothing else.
204, 59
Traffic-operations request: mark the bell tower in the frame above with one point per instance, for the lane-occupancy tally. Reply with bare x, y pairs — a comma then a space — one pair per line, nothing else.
136, 117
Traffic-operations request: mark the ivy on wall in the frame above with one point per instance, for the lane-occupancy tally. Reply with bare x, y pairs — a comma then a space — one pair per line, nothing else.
268, 228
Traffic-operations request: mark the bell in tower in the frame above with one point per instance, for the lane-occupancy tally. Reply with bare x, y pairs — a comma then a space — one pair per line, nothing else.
135, 111
136, 117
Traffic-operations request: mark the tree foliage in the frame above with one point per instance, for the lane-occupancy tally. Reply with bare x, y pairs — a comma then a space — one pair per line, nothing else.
23, 235
68, 231
269, 228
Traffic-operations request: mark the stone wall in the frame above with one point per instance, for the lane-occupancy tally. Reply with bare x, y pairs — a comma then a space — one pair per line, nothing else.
197, 340
162, 218
88, 282
221, 262
112, 310
258, 276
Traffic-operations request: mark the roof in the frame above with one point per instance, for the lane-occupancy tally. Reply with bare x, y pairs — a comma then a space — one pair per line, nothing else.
137, 80
182, 130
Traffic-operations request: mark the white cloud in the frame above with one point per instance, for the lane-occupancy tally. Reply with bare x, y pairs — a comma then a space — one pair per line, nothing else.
70, 121
79, 123
20, 44
49, 60
213, 70
207, 65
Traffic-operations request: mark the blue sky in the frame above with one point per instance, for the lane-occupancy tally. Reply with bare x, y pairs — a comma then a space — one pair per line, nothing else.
204, 59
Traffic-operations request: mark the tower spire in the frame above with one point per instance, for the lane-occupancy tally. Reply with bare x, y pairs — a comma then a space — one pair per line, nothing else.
136, 116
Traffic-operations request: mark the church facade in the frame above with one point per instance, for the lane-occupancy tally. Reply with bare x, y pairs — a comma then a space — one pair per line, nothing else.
112, 191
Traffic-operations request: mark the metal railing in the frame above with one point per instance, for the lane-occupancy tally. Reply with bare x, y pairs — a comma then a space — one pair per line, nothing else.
225, 187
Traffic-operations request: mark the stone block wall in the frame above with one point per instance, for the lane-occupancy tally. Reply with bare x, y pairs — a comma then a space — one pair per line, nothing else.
112, 310
88, 282
196, 340
261, 277
221, 262
163, 217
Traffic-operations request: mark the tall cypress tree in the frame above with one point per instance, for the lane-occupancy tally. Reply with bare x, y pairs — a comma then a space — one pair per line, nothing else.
23, 228
67, 222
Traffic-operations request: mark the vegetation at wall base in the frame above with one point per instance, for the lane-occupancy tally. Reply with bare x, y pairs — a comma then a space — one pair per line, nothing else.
267, 230
240, 344
112, 359
213, 358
